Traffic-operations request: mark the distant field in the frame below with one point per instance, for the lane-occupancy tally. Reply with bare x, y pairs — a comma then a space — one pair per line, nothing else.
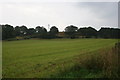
38, 58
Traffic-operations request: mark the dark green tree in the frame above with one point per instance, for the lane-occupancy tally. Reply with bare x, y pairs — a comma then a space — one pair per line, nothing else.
7, 31
39, 29
31, 31
23, 30
87, 32
17, 31
71, 31
53, 32
41, 32
109, 33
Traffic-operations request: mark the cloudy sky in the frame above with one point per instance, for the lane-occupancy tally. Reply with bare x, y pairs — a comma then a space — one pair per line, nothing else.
32, 13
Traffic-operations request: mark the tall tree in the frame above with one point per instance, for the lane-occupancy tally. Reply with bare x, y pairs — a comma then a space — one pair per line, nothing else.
87, 32
7, 31
109, 33
17, 31
31, 31
53, 31
70, 31
23, 30
41, 31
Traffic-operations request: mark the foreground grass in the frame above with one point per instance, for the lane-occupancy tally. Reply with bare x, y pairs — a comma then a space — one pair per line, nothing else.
46, 58
102, 65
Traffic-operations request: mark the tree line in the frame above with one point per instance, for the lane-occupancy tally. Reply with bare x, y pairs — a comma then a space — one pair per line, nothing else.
71, 31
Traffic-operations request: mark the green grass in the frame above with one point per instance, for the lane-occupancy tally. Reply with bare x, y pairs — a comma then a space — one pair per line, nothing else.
43, 58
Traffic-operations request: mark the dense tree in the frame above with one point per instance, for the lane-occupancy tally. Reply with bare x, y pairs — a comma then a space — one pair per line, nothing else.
116, 33
38, 29
23, 30
53, 32
7, 31
109, 33
87, 32
41, 32
70, 31
44, 33
17, 31
31, 31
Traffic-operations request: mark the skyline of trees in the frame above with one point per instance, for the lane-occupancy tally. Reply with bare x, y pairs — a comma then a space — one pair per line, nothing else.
71, 31
88, 32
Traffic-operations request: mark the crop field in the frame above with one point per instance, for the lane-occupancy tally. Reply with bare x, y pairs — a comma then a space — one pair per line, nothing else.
45, 58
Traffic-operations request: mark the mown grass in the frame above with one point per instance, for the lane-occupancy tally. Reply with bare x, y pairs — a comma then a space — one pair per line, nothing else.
47, 58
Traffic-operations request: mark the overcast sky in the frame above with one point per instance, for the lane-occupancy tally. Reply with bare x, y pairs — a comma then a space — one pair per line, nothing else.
61, 14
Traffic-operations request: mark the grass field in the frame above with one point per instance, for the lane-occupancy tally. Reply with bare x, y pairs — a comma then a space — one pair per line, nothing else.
43, 58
